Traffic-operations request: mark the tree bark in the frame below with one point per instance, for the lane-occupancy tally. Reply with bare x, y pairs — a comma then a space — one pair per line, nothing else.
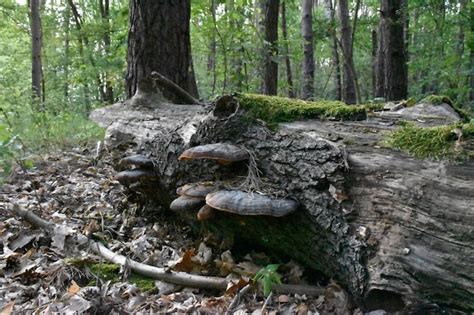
270, 84
380, 61
308, 49
349, 89
395, 61
284, 31
374, 63
36, 44
108, 93
159, 40
335, 51
387, 227
471, 59
211, 59
67, 30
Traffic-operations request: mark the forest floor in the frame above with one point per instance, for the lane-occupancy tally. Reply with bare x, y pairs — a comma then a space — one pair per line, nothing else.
48, 274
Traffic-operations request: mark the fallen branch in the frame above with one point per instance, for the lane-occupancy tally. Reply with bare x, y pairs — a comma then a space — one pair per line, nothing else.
180, 278
170, 85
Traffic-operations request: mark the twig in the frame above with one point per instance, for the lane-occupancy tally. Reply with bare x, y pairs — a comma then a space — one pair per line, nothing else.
163, 274
237, 298
170, 85
267, 300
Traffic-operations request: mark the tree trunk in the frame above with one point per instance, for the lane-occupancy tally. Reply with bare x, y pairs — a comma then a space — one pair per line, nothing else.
335, 51
270, 84
211, 58
105, 14
471, 59
308, 49
159, 40
395, 62
67, 29
380, 65
36, 44
284, 31
374, 63
384, 225
349, 89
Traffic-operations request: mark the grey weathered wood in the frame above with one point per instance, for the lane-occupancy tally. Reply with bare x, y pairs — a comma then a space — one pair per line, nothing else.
395, 231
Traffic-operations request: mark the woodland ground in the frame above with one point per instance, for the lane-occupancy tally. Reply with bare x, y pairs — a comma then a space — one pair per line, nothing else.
43, 274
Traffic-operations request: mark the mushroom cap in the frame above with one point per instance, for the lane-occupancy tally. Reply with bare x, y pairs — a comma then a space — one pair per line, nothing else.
205, 213
184, 203
197, 190
223, 153
135, 175
243, 203
139, 160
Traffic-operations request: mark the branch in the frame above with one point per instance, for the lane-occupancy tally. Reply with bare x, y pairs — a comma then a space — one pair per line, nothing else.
180, 278
170, 85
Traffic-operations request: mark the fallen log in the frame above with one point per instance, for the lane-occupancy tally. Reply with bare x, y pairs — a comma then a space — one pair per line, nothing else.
395, 230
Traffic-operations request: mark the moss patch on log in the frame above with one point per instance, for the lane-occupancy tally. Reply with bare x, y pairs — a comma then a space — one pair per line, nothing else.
433, 142
443, 99
275, 109
110, 272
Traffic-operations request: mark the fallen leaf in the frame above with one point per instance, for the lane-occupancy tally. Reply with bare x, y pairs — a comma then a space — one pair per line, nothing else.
73, 289
283, 299
234, 286
185, 263
7, 309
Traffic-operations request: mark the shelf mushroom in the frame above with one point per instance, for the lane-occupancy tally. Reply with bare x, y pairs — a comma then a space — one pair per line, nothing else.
136, 160
244, 203
197, 190
132, 176
205, 213
185, 203
222, 153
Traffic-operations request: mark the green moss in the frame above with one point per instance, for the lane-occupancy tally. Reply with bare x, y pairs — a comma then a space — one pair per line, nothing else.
434, 142
440, 99
274, 109
110, 272
373, 107
437, 100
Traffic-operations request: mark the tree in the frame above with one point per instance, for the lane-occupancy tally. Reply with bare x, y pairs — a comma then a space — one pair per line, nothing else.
335, 51
270, 82
393, 50
308, 49
349, 86
159, 40
284, 31
36, 44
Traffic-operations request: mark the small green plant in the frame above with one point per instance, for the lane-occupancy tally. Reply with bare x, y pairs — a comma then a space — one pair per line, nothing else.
267, 277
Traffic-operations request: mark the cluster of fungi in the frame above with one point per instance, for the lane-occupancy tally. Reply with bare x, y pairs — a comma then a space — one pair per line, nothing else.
210, 196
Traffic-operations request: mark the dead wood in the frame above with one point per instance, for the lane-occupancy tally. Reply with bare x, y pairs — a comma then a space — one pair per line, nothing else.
166, 83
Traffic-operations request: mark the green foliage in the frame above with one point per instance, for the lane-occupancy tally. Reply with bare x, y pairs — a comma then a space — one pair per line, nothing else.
433, 142
268, 276
274, 109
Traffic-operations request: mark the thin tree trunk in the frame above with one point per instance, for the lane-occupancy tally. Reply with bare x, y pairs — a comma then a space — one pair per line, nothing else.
236, 58
105, 14
67, 29
471, 59
159, 40
349, 90
36, 44
395, 67
270, 84
308, 49
335, 51
380, 60
374, 63
284, 31
211, 59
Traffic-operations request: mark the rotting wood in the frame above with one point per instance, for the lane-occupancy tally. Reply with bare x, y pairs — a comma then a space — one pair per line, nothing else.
392, 228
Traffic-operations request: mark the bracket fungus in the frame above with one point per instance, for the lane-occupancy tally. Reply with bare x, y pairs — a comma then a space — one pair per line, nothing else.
185, 203
197, 190
136, 160
244, 203
222, 153
205, 213
132, 176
